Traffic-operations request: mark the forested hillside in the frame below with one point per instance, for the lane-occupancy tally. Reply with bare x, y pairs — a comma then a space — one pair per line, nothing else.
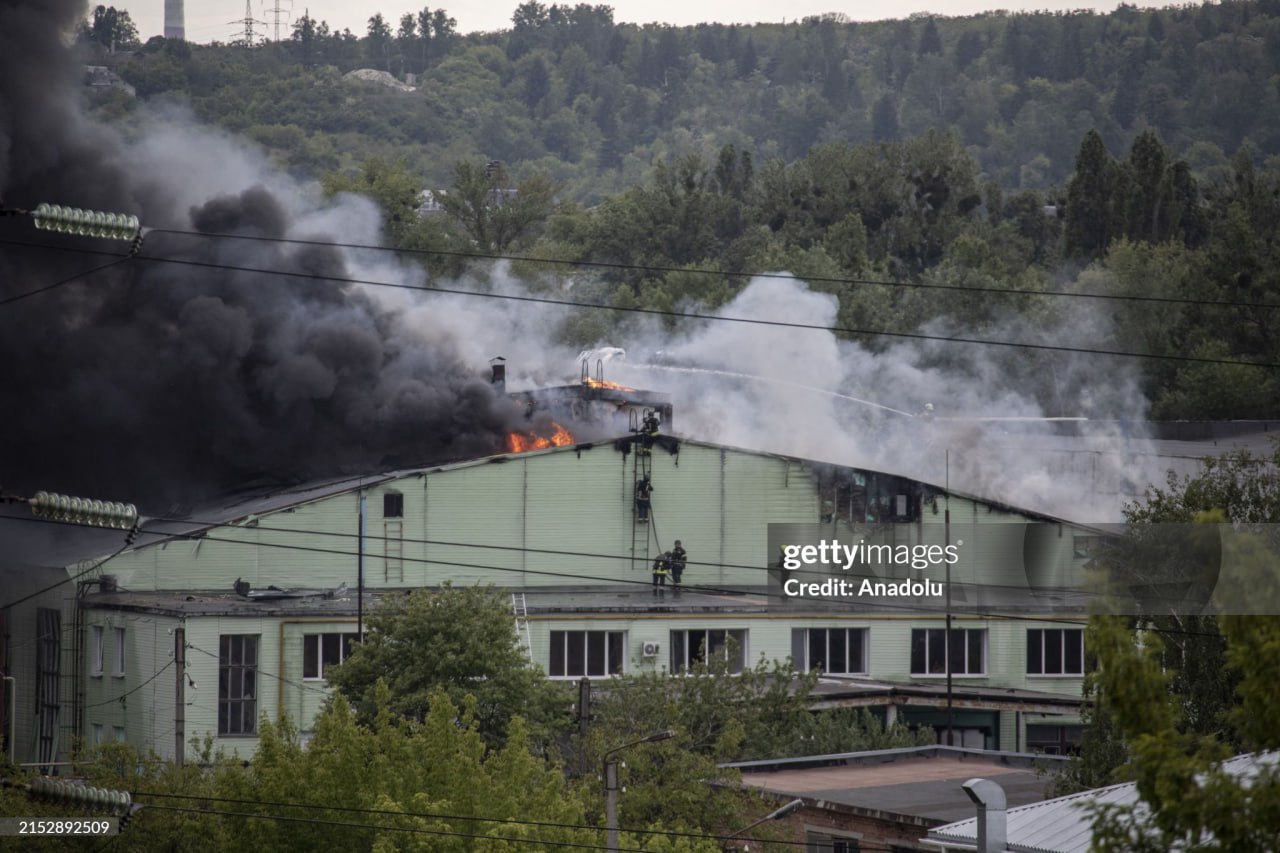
592, 103
1127, 154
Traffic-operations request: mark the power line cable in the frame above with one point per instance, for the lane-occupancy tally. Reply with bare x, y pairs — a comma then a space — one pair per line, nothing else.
391, 828
494, 256
710, 590
72, 578
438, 816
153, 677
659, 312
618, 558
978, 614
19, 297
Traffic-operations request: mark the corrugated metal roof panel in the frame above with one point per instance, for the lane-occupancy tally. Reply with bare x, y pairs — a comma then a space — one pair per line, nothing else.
1065, 824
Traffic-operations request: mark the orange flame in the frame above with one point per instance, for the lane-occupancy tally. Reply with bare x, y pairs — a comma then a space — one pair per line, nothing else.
604, 383
523, 442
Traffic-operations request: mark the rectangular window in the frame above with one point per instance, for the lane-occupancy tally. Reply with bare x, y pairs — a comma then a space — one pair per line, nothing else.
691, 647
1083, 547
929, 651
238, 684
836, 651
1054, 740
589, 653
117, 668
324, 650
392, 505
825, 842
1055, 651
118, 731
98, 734
96, 655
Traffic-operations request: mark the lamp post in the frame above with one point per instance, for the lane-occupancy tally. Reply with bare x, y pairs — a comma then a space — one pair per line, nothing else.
611, 783
776, 814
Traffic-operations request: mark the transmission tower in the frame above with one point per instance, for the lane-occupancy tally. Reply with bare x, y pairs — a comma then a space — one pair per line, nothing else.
248, 36
277, 11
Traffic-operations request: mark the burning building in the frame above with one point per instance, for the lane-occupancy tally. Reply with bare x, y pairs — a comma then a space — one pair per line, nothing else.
591, 409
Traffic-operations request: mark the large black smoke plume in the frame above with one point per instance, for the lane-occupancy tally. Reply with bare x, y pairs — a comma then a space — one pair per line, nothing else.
157, 382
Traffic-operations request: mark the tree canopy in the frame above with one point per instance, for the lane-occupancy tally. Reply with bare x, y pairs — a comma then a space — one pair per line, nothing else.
459, 640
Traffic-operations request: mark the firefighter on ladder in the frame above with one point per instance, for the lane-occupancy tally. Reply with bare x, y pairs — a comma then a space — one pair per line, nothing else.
644, 495
649, 430
661, 568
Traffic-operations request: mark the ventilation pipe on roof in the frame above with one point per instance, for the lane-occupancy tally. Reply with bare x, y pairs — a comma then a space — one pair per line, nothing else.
499, 377
993, 830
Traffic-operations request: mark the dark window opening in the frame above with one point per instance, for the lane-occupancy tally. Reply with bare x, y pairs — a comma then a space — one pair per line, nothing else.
238, 684
393, 505
930, 650
587, 653
1055, 651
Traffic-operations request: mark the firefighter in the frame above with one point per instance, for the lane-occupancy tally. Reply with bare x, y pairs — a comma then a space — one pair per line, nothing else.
661, 568
648, 430
678, 559
644, 494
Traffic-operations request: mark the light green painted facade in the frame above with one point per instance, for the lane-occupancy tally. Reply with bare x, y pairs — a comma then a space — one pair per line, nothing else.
523, 510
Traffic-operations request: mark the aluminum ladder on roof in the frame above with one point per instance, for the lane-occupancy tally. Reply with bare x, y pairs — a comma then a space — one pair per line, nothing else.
520, 608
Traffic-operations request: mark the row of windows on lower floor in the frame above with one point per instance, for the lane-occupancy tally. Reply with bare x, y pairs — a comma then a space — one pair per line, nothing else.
838, 651
574, 654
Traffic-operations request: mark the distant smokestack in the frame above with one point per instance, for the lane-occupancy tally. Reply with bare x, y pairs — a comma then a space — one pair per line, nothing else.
173, 26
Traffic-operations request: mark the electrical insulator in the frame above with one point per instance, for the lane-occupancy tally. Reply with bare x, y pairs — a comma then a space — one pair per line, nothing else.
88, 223
74, 794
84, 511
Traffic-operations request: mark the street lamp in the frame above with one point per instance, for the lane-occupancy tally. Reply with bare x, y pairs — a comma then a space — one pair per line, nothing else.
611, 783
776, 814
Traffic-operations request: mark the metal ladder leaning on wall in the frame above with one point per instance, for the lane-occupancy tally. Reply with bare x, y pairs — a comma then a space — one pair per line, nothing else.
520, 608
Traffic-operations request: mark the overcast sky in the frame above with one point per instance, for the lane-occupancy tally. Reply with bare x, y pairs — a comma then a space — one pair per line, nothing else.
210, 20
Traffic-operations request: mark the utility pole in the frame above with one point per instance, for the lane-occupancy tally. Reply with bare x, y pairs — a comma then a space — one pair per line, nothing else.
947, 645
611, 783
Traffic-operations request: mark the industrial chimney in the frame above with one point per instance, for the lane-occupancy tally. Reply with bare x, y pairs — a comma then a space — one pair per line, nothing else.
173, 26
499, 377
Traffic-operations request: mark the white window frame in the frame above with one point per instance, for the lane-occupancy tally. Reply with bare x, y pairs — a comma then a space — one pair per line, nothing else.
320, 663
614, 650
238, 681
119, 659
689, 649
96, 651
1062, 672
861, 667
931, 636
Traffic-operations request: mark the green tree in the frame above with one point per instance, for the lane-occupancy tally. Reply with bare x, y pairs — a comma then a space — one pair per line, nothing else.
111, 28
930, 41
459, 640
495, 215
1173, 693
378, 43
1092, 220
